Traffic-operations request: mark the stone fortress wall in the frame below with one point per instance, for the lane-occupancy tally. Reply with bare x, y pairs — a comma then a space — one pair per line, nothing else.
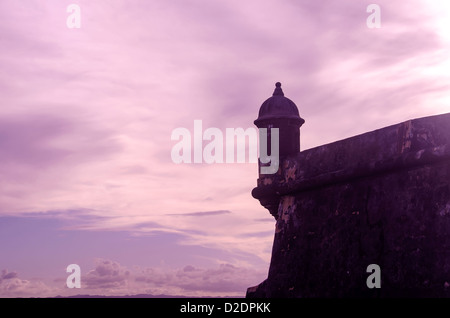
382, 198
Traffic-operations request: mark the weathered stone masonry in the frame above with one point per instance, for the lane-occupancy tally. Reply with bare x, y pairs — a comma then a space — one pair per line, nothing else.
382, 197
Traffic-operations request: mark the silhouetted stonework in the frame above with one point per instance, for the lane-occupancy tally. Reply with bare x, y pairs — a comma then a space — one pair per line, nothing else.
382, 197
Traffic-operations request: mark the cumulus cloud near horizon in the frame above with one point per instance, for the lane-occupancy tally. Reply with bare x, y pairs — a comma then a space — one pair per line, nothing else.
11, 285
110, 278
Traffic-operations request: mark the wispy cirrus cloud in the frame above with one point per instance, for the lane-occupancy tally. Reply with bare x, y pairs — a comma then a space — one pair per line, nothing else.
204, 213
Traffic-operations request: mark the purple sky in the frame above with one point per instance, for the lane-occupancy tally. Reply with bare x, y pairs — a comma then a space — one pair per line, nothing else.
86, 117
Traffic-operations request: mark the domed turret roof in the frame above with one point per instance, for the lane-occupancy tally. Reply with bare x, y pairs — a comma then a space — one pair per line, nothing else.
277, 107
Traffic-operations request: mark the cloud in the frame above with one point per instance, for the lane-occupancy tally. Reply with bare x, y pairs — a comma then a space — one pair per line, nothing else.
42, 140
206, 213
7, 275
106, 275
225, 278
111, 278
13, 286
